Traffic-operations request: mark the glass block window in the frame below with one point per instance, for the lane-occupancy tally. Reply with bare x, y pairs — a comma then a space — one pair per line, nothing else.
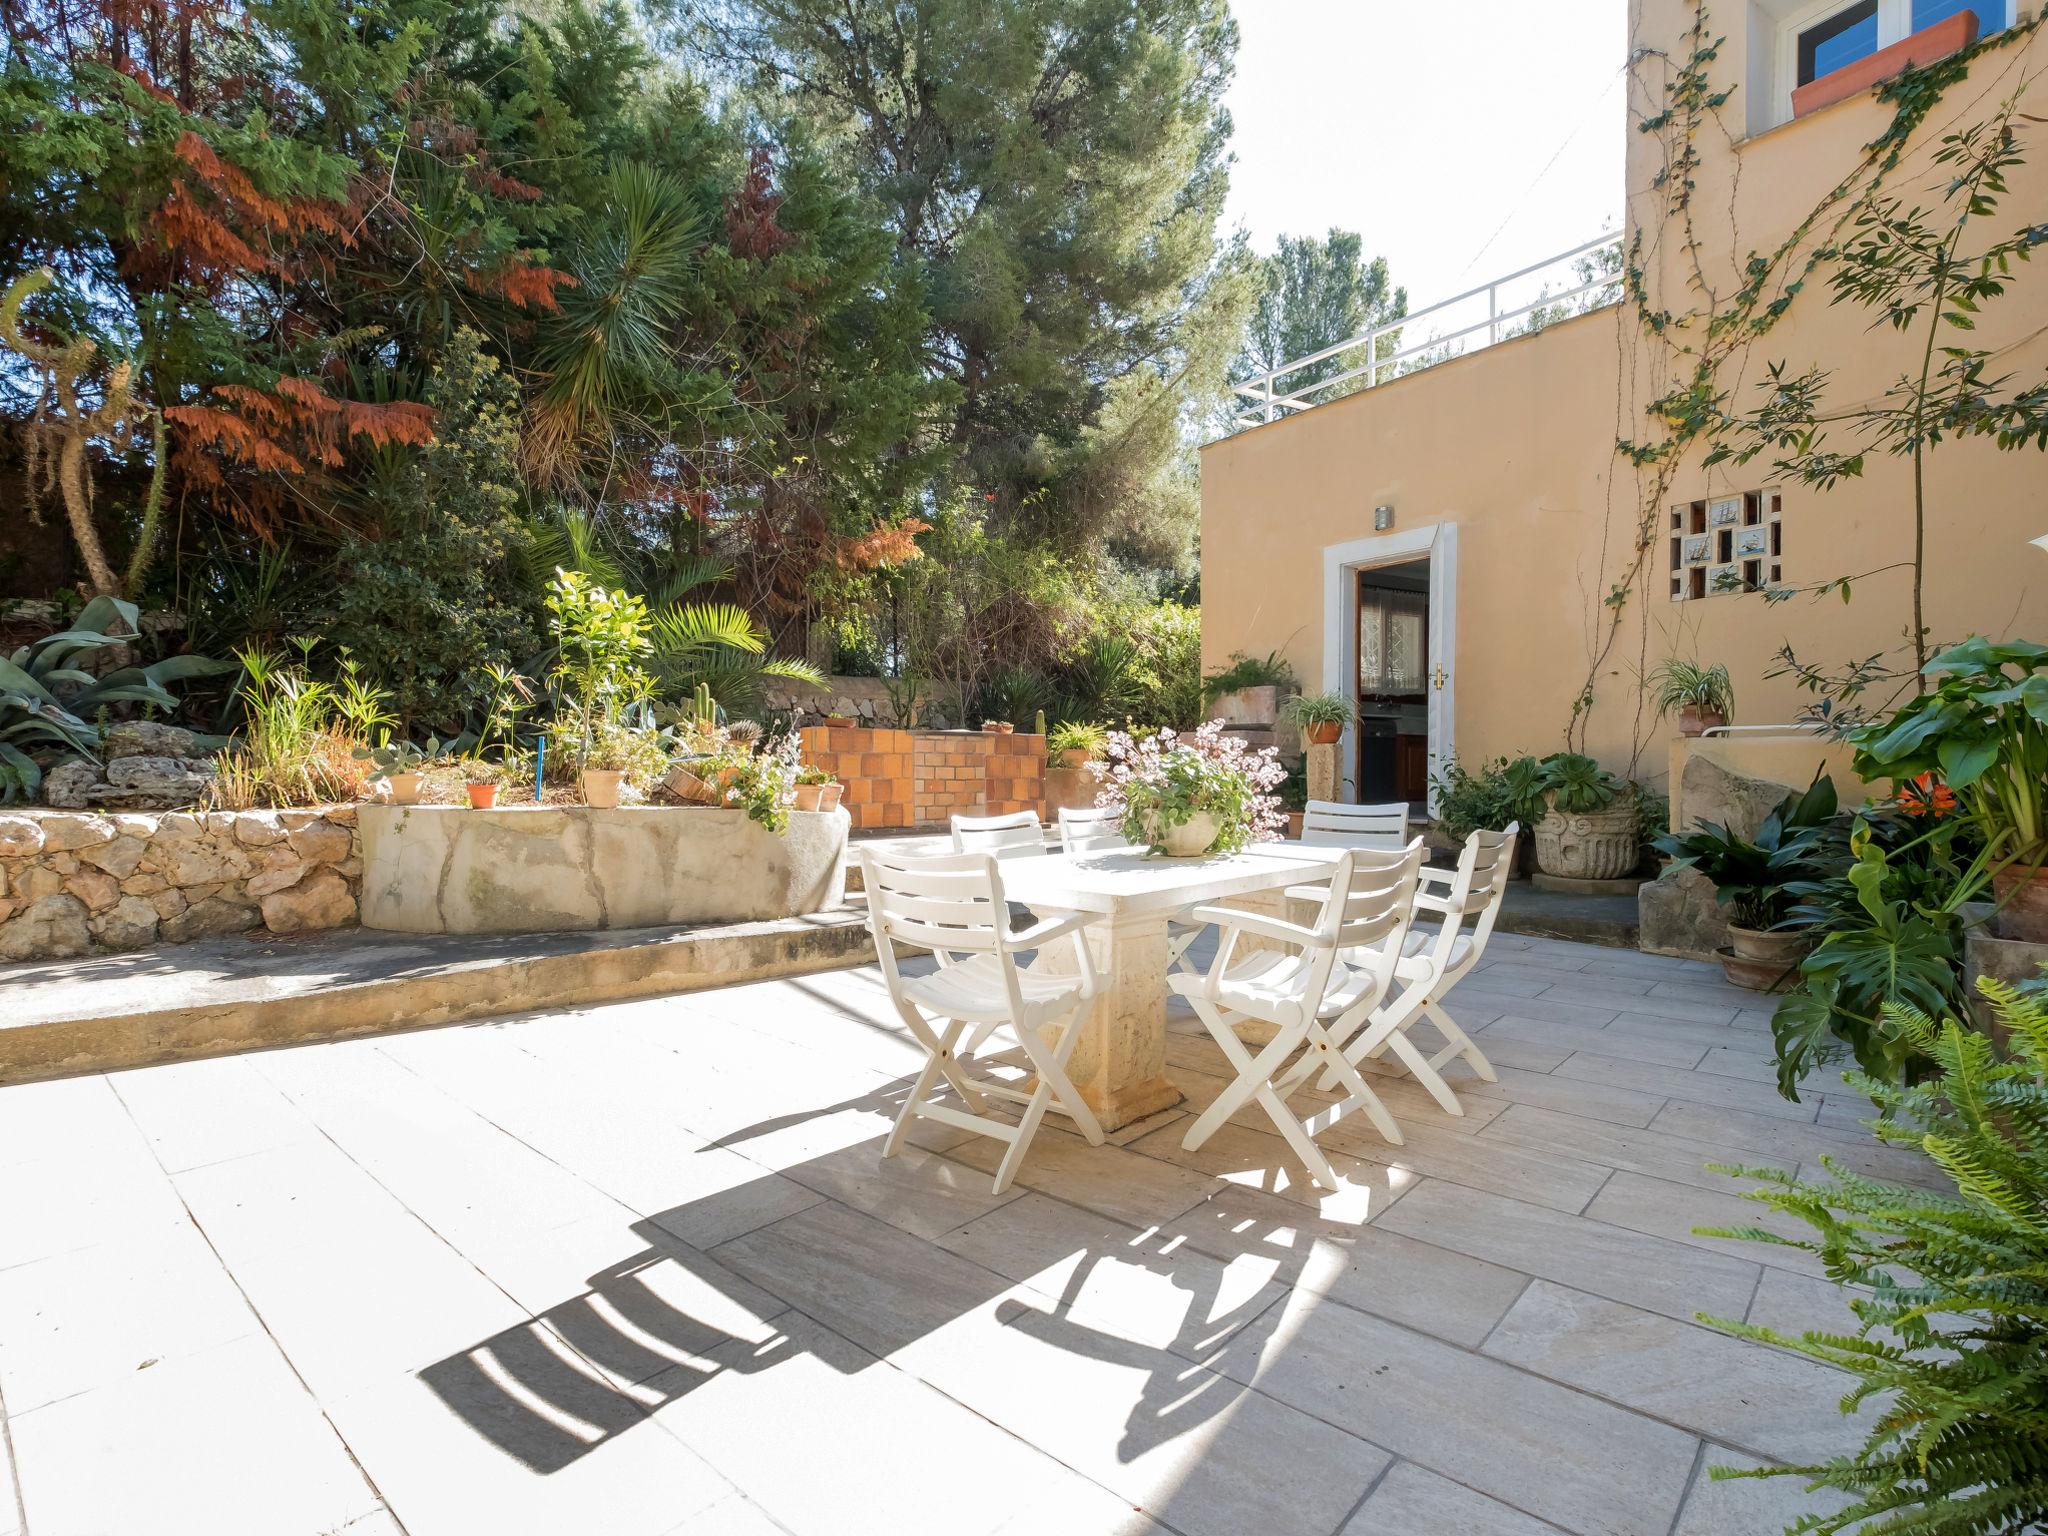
1730, 543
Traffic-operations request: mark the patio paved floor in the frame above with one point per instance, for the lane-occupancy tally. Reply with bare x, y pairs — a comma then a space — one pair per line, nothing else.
639, 1269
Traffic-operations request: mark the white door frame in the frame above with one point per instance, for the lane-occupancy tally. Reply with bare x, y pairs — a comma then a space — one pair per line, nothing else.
1341, 565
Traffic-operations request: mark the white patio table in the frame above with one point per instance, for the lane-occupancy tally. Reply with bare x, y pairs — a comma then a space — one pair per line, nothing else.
1119, 1064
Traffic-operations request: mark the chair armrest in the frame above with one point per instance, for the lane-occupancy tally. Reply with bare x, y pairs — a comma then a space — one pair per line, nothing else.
1424, 902
1433, 876
1047, 929
1228, 918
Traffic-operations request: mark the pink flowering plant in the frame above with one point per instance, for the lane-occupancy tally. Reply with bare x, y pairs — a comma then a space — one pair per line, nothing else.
1163, 781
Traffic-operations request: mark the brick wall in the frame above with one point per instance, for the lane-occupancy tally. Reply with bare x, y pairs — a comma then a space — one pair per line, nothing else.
921, 778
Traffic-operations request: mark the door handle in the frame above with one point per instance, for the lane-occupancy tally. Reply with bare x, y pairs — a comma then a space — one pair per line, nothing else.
1439, 680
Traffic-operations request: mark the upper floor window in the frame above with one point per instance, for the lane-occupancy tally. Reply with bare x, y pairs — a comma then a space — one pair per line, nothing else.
1795, 42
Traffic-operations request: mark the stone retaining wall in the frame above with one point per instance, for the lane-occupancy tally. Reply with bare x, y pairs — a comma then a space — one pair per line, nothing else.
72, 883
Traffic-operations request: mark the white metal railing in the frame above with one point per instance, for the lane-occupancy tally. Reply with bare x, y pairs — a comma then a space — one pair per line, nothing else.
1264, 397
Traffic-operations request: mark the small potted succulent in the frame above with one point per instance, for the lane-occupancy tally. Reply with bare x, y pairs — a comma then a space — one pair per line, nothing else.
1756, 880
841, 722
1703, 697
399, 762
1073, 743
481, 784
997, 727
1321, 716
816, 790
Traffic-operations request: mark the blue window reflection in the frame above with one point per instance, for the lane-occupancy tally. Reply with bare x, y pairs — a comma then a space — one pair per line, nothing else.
1843, 38
1990, 13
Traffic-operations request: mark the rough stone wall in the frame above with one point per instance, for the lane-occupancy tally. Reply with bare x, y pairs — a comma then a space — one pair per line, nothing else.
72, 883
865, 699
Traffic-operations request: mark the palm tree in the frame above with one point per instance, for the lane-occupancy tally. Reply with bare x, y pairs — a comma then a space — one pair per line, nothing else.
717, 644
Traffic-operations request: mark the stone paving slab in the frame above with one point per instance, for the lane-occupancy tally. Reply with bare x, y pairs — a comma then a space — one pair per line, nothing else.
638, 1267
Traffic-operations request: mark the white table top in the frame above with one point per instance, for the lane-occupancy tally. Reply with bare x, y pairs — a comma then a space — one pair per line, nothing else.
1125, 882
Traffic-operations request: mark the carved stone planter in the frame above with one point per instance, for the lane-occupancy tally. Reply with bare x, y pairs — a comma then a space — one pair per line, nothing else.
1591, 845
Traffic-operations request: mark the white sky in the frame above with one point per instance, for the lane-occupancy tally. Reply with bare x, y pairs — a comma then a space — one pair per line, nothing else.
1424, 125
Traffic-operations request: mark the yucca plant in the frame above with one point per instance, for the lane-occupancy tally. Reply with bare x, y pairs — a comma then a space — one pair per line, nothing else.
1951, 1342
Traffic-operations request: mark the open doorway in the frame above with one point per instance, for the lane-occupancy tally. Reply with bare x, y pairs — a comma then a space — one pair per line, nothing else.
1392, 683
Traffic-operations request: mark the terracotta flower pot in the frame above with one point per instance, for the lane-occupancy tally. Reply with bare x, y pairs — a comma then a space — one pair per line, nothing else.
482, 797
841, 722
2021, 892
1321, 733
1589, 845
829, 800
1694, 720
1074, 757
601, 788
405, 788
808, 797
997, 727
1762, 959
685, 785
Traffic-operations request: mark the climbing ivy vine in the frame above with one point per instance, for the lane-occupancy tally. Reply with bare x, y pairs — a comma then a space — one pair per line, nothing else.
1699, 348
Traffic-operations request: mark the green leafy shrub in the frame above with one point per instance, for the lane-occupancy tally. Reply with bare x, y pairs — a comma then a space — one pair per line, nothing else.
302, 739
1575, 784
1469, 801
431, 606
1755, 878
1169, 673
601, 638
1075, 736
1271, 670
1951, 1341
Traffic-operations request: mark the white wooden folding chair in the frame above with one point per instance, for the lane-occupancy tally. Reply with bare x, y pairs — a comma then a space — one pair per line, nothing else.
1467, 902
1092, 829
1334, 824
1328, 978
952, 905
1017, 835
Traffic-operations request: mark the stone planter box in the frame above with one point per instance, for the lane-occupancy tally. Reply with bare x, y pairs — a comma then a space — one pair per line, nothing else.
439, 869
1590, 845
1247, 706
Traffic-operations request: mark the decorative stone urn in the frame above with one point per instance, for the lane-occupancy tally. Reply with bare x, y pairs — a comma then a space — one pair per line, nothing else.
1589, 845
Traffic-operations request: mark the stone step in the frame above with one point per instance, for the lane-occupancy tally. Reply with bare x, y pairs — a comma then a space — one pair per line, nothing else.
66, 1018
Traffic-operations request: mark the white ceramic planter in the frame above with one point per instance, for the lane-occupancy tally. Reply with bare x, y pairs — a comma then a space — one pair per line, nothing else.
1191, 839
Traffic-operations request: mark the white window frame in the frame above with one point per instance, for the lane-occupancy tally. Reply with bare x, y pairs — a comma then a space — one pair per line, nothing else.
1894, 25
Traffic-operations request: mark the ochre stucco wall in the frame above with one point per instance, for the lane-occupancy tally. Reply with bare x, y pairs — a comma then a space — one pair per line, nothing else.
1515, 444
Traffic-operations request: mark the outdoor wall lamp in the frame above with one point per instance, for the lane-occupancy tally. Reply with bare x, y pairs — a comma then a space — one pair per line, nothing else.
1382, 518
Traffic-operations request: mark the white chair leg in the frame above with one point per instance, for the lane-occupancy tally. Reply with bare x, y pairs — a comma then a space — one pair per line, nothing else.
1360, 1097
1252, 1073
1458, 1043
1051, 1066
935, 1060
1425, 1074
1027, 1127
1297, 1137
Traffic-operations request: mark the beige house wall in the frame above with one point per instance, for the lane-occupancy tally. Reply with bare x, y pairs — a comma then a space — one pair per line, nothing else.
1515, 444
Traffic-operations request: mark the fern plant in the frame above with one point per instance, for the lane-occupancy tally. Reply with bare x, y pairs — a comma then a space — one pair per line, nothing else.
1952, 1341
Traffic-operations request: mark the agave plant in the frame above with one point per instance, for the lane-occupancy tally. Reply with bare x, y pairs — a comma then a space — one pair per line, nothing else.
48, 702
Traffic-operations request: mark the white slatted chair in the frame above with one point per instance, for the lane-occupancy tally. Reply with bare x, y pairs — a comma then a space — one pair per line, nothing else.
1093, 829
952, 905
1334, 824
1317, 990
1017, 835
1467, 902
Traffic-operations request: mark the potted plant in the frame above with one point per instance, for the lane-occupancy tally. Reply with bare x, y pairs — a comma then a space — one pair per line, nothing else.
1321, 716
1588, 829
997, 727
481, 784
1188, 795
841, 722
1757, 880
399, 762
1704, 697
600, 637
602, 769
816, 790
763, 784
1073, 743
1981, 735
1248, 690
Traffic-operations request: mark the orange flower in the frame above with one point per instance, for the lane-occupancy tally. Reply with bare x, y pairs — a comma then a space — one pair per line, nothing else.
1925, 796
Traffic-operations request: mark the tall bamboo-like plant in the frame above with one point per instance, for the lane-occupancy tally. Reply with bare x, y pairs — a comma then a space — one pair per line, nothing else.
1951, 1339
